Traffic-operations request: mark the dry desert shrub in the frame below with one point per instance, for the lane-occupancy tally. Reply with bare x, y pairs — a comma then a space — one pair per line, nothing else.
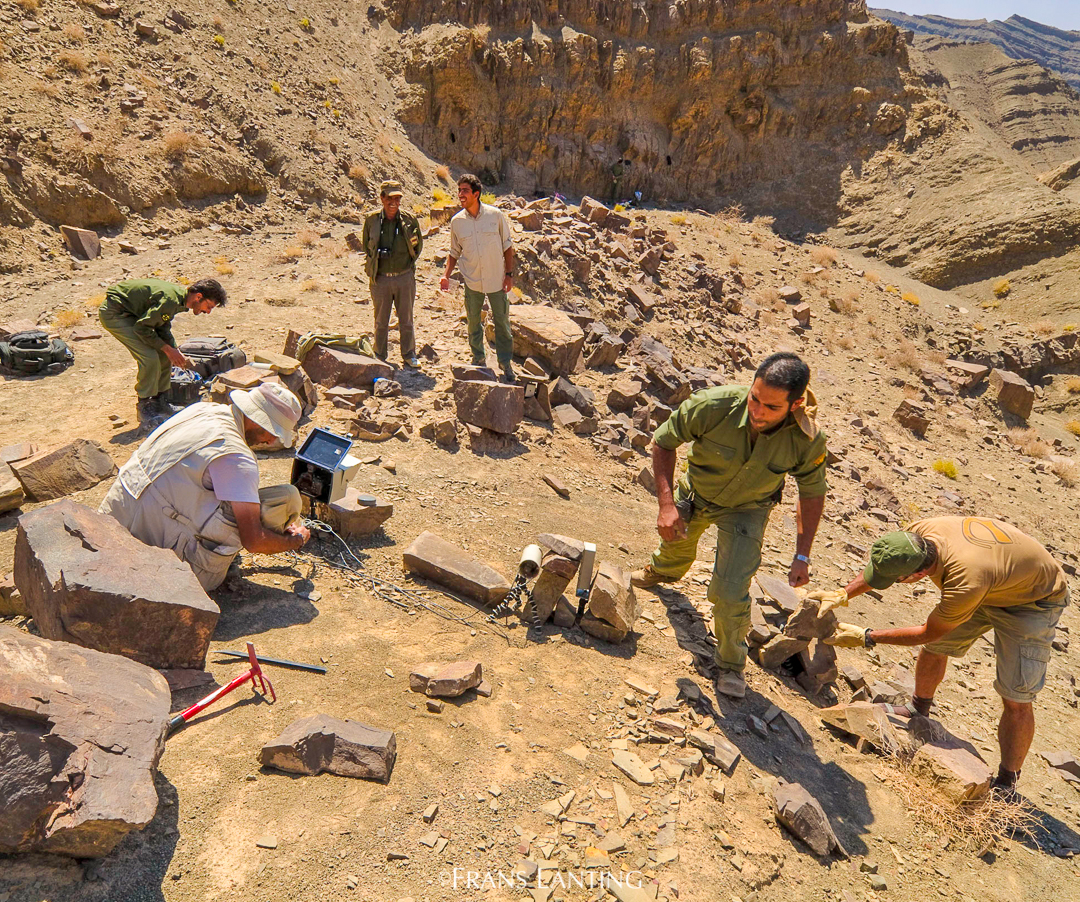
731, 214
1072, 385
441, 196
307, 237
72, 60
911, 298
1002, 288
1073, 426
1068, 471
1044, 327
938, 357
73, 33
872, 277
178, 144
223, 267
823, 256
65, 319
769, 299
95, 300
359, 172
846, 342
678, 219
442, 173
907, 355
1029, 443
847, 303
289, 254
281, 302
28, 6
946, 468
734, 260
311, 285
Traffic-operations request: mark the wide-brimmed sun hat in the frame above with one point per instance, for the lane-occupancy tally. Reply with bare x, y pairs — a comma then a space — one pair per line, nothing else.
271, 406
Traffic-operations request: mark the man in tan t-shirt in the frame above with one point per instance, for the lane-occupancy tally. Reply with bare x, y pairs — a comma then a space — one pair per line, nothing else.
991, 576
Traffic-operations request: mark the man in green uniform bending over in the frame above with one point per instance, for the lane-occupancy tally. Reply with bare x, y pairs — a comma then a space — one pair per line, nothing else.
139, 313
743, 442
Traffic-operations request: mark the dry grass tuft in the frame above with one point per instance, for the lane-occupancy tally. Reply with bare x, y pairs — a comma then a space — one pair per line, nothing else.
823, 256
734, 260
907, 356
177, 144
65, 319
946, 468
1073, 426
872, 277
28, 6
1044, 327
846, 342
847, 303
307, 237
732, 213
1029, 443
281, 302
442, 173
1068, 471
73, 33
911, 298
1002, 288
311, 285
1072, 385
769, 299
289, 254
95, 300
72, 60
441, 197
224, 268
974, 826
359, 172
678, 219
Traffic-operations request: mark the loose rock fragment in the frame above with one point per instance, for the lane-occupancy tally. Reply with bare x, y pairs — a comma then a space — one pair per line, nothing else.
312, 745
803, 815
450, 566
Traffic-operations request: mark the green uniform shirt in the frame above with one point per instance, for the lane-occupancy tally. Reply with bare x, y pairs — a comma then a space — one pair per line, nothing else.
151, 303
724, 471
401, 234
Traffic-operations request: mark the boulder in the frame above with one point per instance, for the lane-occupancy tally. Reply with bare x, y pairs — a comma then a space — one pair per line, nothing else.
612, 598
801, 314
624, 395
320, 743
912, 415
790, 294
966, 375
955, 768
81, 242
355, 514
455, 679
78, 465
12, 495
563, 391
556, 572
338, 366
803, 815
605, 352
85, 579
547, 333
490, 405
81, 733
436, 559
593, 210
1013, 393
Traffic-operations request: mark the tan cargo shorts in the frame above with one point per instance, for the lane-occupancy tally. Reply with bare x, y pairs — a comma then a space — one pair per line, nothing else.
1022, 637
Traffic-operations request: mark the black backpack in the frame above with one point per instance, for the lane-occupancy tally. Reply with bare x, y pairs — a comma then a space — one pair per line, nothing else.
31, 352
185, 387
212, 355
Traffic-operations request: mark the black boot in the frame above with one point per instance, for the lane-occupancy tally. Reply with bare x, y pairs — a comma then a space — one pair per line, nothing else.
149, 416
163, 405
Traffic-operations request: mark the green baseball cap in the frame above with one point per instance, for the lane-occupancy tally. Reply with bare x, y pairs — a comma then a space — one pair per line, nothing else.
390, 188
893, 557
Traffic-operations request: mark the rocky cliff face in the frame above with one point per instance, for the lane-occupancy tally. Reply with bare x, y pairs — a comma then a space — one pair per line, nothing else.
750, 99
1018, 37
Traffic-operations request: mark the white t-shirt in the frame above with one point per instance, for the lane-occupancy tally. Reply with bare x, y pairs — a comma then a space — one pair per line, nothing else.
234, 477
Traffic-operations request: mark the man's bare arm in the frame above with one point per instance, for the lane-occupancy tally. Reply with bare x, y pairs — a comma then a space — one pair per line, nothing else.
257, 539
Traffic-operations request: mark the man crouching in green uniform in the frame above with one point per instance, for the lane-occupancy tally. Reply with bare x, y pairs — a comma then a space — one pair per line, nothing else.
743, 441
139, 313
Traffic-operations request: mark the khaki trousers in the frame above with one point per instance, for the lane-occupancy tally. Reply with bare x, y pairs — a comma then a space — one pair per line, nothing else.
739, 535
396, 292
155, 371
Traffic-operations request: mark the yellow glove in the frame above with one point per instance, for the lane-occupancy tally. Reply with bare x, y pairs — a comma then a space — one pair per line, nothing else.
848, 635
830, 600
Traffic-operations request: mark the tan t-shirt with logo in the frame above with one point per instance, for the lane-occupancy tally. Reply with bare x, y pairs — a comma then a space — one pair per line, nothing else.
984, 561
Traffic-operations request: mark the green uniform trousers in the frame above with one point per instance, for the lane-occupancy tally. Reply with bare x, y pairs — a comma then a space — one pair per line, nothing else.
155, 371
500, 317
739, 534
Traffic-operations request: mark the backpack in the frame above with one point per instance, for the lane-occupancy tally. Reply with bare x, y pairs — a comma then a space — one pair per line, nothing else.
30, 352
212, 355
185, 387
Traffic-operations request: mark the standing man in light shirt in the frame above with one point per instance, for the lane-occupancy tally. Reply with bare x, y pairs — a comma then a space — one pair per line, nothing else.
480, 246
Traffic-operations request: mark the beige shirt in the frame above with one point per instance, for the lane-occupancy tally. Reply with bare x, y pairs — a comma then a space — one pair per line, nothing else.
983, 561
479, 242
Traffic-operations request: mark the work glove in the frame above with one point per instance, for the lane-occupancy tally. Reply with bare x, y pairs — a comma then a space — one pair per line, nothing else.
830, 600
848, 635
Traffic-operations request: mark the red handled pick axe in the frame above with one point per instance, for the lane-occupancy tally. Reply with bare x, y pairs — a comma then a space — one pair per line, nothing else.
255, 674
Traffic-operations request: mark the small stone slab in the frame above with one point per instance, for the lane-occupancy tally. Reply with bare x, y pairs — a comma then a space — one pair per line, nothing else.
866, 721
803, 815
716, 749
12, 495
76, 466
564, 546
955, 768
779, 591
452, 680
612, 599
355, 514
440, 561
82, 243
312, 745
631, 765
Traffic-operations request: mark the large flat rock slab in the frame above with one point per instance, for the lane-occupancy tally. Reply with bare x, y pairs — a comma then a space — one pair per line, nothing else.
338, 366
85, 579
321, 743
78, 465
81, 733
446, 564
490, 405
547, 333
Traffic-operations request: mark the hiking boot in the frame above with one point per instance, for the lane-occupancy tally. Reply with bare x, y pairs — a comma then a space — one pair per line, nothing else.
146, 410
1005, 792
646, 578
731, 683
163, 405
508, 375
413, 362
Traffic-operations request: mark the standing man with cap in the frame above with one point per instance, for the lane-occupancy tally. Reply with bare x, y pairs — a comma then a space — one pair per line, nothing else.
392, 242
193, 485
991, 576
138, 313
743, 441
480, 245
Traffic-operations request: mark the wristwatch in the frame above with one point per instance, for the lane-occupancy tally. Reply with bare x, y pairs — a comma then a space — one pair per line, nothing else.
868, 640
803, 558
